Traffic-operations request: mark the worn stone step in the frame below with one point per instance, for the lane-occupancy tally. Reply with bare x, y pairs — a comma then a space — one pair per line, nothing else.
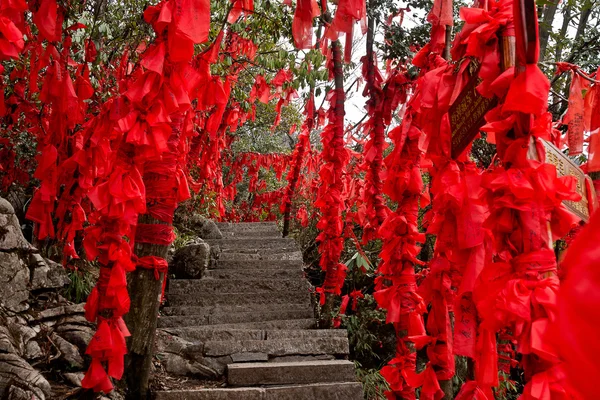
259, 264
315, 391
204, 286
263, 273
204, 334
237, 308
283, 324
286, 373
278, 347
249, 234
226, 225
244, 228
253, 243
233, 318
213, 298
262, 255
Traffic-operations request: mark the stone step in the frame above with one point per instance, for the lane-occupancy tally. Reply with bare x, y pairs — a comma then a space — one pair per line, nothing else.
205, 286
231, 299
238, 308
263, 273
282, 324
233, 318
315, 391
278, 347
261, 255
286, 373
245, 224
259, 264
249, 227
204, 334
248, 234
253, 243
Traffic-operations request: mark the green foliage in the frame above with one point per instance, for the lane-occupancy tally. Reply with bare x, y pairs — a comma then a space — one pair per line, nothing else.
257, 136
374, 385
82, 283
372, 341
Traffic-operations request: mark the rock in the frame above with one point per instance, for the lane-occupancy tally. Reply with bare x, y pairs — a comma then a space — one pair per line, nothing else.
47, 274
33, 351
205, 228
11, 237
16, 393
61, 311
78, 334
16, 372
181, 357
14, 281
196, 224
74, 378
191, 261
69, 353
15, 337
177, 365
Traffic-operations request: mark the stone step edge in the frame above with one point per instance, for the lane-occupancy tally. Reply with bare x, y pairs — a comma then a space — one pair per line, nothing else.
256, 393
236, 325
241, 374
265, 334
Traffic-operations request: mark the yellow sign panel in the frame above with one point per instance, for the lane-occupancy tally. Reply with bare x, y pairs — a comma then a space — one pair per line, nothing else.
566, 167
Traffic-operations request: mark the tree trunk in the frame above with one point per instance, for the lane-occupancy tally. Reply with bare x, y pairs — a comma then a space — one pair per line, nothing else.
338, 78
288, 209
546, 26
563, 31
145, 292
577, 48
144, 289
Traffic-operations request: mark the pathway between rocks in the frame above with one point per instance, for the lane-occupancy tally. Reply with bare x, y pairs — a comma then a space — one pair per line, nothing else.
250, 319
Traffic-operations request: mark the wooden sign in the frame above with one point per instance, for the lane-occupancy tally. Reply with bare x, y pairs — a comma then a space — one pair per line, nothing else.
564, 167
467, 115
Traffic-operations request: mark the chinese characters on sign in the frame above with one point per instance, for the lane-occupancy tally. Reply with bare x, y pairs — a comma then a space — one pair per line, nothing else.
467, 115
564, 166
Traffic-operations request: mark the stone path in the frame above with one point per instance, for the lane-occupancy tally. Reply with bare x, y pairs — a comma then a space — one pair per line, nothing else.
251, 319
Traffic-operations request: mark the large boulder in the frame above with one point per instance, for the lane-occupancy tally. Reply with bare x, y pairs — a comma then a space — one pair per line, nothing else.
14, 282
196, 225
46, 274
37, 325
11, 237
17, 375
190, 262
181, 357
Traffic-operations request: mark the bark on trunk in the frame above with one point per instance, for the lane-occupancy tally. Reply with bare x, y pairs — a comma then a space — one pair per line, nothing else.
144, 289
578, 47
338, 75
378, 133
546, 26
145, 292
563, 31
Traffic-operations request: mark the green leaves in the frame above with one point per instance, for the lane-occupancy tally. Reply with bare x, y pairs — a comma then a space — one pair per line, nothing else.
358, 261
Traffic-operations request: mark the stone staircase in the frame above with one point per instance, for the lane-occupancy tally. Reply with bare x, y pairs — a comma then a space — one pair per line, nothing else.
251, 319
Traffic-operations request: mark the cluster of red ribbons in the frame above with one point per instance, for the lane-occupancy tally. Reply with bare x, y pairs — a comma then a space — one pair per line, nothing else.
582, 112
302, 146
145, 177
373, 210
514, 292
492, 263
262, 203
329, 197
99, 176
396, 288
